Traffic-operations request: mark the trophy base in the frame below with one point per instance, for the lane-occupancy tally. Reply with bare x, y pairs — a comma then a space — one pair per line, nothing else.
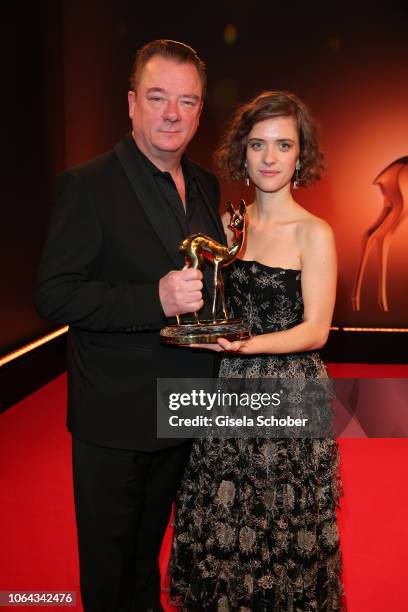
205, 332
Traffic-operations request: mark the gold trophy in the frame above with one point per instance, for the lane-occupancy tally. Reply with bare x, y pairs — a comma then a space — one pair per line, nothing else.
198, 249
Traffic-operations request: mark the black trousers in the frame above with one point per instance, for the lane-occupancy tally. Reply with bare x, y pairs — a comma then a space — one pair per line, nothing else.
123, 502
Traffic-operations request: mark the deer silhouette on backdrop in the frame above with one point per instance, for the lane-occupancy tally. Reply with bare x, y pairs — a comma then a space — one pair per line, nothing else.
393, 182
198, 249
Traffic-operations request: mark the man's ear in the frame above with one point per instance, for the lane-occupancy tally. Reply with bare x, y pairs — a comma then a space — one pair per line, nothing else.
131, 102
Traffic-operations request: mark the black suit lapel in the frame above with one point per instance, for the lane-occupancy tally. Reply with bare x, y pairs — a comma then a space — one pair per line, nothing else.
149, 196
214, 215
219, 230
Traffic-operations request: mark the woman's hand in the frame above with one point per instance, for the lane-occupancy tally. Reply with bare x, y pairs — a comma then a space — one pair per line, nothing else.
237, 346
245, 347
210, 347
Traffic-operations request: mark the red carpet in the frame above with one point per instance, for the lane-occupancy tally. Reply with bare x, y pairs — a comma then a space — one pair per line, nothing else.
37, 530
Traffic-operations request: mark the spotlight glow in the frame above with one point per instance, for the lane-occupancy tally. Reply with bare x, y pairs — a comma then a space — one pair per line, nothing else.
230, 34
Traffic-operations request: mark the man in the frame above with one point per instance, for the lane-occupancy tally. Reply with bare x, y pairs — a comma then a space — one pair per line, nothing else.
112, 271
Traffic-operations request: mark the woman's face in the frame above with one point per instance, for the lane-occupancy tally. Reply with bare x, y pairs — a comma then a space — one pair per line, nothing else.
272, 151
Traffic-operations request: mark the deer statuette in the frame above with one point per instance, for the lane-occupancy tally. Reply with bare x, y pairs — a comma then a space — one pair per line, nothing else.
393, 182
199, 249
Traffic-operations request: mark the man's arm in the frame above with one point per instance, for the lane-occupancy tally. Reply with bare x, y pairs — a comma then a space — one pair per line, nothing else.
67, 292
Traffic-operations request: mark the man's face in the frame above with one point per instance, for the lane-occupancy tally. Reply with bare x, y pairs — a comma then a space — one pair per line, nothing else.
166, 107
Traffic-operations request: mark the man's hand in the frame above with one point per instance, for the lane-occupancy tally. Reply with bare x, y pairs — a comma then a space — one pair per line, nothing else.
180, 292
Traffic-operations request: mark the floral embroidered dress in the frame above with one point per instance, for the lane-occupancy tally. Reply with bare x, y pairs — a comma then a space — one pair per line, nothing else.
255, 521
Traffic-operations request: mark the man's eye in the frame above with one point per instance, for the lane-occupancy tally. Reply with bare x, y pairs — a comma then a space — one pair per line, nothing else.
155, 99
188, 103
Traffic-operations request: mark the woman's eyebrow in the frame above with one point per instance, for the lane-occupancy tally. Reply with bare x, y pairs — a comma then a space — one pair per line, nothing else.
277, 139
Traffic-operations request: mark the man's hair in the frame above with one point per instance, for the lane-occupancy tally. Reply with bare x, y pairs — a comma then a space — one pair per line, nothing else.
171, 50
231, 154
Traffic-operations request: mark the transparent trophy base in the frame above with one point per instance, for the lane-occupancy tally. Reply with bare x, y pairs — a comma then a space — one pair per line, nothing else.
205, 332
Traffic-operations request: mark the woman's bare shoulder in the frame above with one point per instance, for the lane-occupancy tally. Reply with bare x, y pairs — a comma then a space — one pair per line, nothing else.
312, 228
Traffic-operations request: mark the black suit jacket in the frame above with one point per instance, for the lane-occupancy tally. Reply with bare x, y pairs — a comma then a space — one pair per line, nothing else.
112, 237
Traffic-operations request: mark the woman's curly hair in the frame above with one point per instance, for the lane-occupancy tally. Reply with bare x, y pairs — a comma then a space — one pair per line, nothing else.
231, 154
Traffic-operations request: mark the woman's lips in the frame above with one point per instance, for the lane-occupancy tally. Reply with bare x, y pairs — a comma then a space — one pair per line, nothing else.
269, 172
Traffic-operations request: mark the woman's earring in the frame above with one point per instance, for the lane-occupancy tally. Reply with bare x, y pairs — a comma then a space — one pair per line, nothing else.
246, 175
296, 181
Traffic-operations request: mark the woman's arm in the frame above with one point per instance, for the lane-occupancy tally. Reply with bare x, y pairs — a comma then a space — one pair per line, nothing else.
319, 275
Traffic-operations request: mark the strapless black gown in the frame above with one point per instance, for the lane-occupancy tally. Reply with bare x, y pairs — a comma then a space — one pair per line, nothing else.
255, 519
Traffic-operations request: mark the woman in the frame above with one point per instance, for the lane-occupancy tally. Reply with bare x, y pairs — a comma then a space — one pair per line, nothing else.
255, 522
